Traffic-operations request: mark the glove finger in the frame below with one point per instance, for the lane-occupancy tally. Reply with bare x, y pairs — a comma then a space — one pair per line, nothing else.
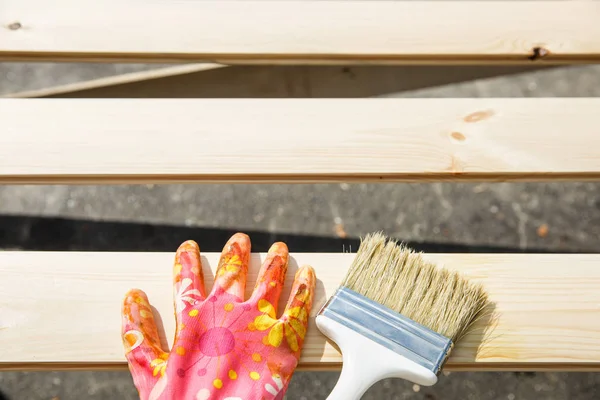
298, 307
147, 361
271, 276
233, 266
188, 280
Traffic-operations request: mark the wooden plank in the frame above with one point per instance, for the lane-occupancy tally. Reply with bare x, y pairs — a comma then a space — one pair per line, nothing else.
300, 31
61, 309
124, 81
210, 81
298, 140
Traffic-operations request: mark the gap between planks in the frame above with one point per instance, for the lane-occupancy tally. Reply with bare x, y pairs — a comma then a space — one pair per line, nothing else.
292, 32
297, 140
119, 81
61, 310
213, 81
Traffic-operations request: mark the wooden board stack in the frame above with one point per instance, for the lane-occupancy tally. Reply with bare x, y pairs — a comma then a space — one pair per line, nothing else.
548, 314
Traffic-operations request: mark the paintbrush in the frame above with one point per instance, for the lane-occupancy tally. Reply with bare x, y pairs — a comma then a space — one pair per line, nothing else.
396, 315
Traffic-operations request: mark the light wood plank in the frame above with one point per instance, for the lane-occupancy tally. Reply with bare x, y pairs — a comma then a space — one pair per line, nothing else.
62, 309
300, 31
298, 140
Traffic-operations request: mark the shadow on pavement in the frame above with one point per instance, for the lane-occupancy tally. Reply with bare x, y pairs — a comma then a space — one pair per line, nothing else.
62, 234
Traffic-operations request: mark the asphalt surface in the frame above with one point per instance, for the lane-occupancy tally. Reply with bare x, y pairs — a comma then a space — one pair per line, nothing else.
436, 217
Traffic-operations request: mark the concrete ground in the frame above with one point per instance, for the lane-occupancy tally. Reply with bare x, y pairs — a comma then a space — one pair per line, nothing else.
510, 217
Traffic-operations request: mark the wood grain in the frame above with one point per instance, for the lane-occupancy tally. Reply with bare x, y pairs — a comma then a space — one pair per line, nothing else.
297, 140
300, 31
62, 309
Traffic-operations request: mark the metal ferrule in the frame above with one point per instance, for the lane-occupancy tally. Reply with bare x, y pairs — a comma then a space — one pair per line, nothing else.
388, 328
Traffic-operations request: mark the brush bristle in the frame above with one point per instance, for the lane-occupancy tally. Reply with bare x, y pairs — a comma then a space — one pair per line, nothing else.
400, 279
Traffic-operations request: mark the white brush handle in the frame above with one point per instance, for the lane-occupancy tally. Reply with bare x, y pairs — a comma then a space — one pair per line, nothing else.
366, 362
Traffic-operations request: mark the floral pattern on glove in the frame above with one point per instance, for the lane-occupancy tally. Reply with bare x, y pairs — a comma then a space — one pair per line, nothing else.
225, 347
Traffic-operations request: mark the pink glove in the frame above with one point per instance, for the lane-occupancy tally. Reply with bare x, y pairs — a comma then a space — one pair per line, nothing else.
225, 347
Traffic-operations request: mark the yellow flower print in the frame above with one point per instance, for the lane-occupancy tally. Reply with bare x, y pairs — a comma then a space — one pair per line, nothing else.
292, 325
295, 326
159, 365
233, 265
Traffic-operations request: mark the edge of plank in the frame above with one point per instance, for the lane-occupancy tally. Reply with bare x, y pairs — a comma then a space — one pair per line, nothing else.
116, 80
450, 176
